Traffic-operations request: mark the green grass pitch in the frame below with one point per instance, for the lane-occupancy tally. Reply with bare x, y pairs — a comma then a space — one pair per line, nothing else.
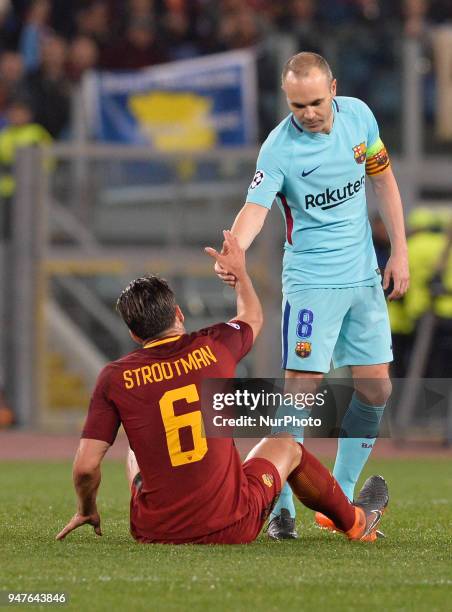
409, 570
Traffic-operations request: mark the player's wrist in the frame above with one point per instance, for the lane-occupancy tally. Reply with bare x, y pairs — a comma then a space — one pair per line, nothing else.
400, 251
242, 277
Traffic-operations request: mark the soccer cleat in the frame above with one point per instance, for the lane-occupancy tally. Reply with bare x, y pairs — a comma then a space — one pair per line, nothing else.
374, 493
370, 506
324, 522
282, 527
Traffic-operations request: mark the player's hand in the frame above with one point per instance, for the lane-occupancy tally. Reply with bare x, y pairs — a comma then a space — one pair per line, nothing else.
222, 274
227, 278
397, 269
230, 263
81, 519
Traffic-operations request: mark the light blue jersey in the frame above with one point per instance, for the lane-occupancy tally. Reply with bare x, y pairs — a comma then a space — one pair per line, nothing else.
318, 182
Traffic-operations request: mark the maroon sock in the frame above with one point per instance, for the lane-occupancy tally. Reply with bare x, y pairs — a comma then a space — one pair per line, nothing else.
316, 488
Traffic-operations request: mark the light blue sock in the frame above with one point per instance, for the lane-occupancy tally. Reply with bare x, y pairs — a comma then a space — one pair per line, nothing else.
285, 499
286, 496
353, 451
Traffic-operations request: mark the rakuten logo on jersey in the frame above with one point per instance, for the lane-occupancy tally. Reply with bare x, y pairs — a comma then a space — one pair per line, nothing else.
333, 197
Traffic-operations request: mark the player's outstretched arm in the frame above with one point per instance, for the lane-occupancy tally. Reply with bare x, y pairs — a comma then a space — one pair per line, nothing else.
249, 223
391, 211
232, 260
245, 228
86, 474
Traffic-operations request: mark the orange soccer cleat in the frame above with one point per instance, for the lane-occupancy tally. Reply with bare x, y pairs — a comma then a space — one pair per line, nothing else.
370, 505
324, 522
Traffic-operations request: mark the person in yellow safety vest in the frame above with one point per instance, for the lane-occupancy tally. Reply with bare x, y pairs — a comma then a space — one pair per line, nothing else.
428, 238
20, 132
402, 329
425, 247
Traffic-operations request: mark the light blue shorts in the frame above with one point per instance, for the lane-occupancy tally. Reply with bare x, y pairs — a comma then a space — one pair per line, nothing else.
344, 326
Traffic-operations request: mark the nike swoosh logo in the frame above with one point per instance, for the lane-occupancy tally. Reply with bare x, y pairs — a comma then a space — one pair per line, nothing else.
304, 173
378, 514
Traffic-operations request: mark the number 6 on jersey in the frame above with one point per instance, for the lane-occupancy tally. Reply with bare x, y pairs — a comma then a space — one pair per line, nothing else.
174, 423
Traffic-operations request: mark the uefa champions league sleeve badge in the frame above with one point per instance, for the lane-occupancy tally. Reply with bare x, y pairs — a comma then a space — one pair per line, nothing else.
257, 180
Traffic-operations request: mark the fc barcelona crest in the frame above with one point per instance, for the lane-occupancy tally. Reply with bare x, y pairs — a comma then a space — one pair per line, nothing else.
303, 349
360, 153
381, 157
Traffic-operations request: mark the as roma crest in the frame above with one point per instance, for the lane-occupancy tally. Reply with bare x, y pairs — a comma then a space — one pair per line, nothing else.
268, 479
303, 349
360, 153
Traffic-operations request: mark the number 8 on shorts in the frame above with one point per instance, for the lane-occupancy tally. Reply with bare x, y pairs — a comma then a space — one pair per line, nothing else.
305, 319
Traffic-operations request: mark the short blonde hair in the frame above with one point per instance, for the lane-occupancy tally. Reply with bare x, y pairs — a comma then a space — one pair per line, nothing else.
301, 64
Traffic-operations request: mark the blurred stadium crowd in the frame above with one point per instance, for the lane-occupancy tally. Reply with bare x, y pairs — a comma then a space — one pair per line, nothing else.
47, 45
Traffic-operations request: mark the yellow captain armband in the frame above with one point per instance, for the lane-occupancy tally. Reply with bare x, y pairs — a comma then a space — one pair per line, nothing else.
377, 158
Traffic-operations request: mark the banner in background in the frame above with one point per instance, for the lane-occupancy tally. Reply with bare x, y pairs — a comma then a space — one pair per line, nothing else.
191, 105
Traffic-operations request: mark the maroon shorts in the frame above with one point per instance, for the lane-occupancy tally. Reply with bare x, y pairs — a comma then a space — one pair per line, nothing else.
264, 487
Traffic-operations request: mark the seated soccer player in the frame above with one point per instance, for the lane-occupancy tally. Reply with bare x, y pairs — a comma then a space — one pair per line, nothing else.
186, 487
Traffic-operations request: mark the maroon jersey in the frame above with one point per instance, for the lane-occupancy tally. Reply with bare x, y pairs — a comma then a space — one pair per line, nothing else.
192, 485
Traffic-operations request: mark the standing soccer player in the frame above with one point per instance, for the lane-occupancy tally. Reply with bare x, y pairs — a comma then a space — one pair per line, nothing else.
186, 487
314, 165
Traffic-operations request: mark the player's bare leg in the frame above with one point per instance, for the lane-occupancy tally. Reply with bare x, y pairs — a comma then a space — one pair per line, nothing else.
282, 450
372, 383
317, 489
132, 467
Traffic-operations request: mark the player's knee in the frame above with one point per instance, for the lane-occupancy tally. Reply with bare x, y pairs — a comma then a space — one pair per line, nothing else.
375, 392
296, 451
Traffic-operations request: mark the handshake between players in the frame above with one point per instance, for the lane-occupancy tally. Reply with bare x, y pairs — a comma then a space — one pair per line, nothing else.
195, 489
